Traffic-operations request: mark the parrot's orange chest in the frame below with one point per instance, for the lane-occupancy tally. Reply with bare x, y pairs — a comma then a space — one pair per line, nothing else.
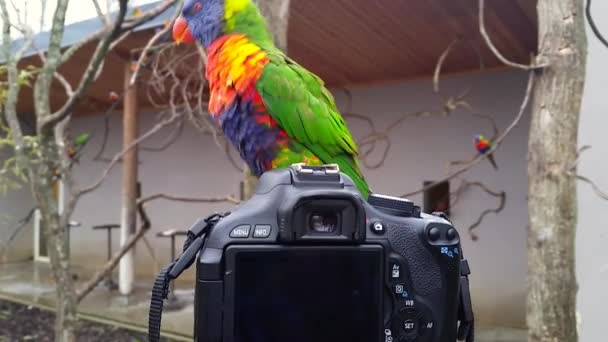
234, 64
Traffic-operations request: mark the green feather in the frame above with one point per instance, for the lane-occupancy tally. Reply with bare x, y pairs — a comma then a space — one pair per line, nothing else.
301, 104
81, 140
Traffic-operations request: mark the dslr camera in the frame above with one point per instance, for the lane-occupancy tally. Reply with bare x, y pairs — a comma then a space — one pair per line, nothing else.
307, 259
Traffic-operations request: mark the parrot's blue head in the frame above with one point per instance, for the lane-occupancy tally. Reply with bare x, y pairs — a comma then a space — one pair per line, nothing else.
479, 138
206, 20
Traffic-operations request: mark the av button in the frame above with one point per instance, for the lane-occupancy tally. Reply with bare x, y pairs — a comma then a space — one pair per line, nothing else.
240, 232
261, 231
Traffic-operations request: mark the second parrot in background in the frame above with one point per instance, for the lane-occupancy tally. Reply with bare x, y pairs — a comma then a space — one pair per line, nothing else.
483, 145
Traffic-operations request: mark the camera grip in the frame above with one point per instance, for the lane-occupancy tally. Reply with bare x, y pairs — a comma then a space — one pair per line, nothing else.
424, 271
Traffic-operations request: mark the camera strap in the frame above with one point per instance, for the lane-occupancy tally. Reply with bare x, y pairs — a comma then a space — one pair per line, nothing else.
195, 239
466, 330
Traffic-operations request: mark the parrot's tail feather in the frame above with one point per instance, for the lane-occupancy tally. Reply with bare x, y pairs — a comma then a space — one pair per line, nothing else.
350, 166
493, 161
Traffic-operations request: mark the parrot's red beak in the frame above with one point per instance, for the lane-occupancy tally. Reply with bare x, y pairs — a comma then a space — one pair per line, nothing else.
181, 31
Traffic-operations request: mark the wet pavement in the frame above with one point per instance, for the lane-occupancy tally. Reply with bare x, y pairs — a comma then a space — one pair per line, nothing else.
32, 283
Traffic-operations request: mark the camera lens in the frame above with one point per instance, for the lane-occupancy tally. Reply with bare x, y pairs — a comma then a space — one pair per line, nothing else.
323, 222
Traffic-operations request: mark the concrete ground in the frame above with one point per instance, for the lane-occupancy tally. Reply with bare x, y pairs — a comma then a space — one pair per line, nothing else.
32, 283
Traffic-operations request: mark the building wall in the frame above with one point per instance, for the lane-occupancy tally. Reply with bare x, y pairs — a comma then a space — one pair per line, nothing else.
421, 148
592, 233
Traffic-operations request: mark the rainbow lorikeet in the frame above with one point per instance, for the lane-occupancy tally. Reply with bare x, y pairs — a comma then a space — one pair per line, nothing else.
274, 111
483, 145
77, 145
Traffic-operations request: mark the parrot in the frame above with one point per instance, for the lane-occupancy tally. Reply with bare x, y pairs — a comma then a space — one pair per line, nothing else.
114, 97
77, 145
483, 145
274, 111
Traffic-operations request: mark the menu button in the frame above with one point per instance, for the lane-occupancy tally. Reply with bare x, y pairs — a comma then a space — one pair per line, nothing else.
240, 232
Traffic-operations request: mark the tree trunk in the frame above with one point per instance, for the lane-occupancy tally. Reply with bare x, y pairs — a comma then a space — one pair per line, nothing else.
276, 13
551, 307
57, 243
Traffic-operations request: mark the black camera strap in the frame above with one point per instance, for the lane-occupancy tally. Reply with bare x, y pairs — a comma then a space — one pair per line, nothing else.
466, 330
195, 239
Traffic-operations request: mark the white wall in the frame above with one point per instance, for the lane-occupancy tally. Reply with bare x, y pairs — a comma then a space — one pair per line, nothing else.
592, 233
421, 148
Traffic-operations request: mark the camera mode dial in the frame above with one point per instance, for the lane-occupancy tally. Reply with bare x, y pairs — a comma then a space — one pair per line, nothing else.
392, 205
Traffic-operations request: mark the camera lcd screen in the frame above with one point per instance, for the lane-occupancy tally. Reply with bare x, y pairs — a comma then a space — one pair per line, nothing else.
302, 294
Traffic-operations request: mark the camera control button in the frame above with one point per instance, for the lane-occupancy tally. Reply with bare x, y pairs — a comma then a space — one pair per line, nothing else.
378, 227
401, 291
451, 234
434, 234
425, 326
240, 232
410, 326
261, 231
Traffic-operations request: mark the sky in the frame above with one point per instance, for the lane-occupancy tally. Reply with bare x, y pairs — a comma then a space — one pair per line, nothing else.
78, 10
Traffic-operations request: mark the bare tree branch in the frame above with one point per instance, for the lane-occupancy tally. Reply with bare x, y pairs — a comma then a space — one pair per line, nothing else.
495, 145
225, 199
501, 195
144, 54
100, 13
118, 156
20, 224
497, 53
89, 74
596, 189
593, 25
145, 226
439, 64
10, 104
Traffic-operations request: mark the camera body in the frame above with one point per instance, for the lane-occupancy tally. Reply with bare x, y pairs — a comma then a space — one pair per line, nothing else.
308, 259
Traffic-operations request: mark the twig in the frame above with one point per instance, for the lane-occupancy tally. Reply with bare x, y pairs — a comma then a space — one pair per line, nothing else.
106, 131
100, 14
109, 266
171, 139
20, 224
496, 144
145, 226
229, 199
440, 62
144, 54
490, 44
90, 72
118, 156
150, 249
593, 26
501, 195
594, 186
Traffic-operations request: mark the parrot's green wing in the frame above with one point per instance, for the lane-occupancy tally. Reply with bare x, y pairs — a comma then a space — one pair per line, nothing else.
306, 110
81, 139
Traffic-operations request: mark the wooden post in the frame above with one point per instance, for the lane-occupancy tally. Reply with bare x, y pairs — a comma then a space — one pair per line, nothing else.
552, 204
129, 183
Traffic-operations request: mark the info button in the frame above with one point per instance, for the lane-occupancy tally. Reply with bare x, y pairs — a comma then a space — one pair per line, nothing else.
240, 232
261, 231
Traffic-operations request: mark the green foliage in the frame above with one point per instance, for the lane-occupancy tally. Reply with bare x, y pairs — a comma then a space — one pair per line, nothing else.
23, 79
13, 175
